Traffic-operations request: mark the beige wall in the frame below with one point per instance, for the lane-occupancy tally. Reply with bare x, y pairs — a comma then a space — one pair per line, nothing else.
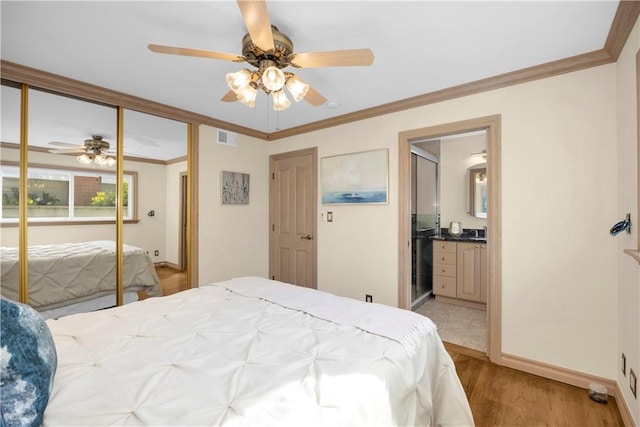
559, 179
233, 239
627, 194
357, 251
149, 233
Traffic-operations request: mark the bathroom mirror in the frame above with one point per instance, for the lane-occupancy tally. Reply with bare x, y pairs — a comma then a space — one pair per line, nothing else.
478, 191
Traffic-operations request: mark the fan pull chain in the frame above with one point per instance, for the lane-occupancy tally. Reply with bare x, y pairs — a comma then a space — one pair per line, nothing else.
267, 105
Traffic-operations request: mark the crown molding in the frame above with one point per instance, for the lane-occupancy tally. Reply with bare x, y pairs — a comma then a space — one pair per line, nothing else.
575, 63
16, 73
622, 25
623, 22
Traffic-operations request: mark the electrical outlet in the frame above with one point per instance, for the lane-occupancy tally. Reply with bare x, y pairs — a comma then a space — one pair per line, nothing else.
156, 253
623, 363
633, 383
368, 298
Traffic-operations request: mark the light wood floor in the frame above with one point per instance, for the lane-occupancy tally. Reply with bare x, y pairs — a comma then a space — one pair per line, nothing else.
499, 396
172, 281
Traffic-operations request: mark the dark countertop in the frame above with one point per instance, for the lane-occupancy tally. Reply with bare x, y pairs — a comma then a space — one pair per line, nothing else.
450, 238
468, 235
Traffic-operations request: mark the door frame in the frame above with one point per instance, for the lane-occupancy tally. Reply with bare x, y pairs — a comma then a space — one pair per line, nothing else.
182, 245
273, 159
492, 124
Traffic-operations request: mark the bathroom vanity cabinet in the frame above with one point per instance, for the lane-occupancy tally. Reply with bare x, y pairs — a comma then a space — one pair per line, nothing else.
460, 272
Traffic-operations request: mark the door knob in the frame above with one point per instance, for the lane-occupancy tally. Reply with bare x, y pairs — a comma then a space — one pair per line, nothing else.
307, 237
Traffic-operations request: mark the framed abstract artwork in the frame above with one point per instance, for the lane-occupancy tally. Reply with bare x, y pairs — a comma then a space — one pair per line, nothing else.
356, 178
235, 188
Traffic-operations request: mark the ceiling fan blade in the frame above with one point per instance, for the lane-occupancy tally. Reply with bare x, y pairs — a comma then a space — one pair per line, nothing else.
63, 144
195, 52
333, 58
68, 150
229, 97
256, 19
314, 98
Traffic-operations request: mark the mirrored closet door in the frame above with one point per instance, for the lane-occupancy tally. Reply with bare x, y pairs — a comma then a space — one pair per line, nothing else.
155, 156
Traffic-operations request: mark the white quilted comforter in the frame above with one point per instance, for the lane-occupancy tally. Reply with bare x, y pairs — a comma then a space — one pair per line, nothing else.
233, 354
69, 273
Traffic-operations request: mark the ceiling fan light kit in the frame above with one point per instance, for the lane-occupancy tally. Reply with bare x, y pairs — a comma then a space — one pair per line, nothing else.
101, 160
104, 160
269, 50
272, 80
93, 151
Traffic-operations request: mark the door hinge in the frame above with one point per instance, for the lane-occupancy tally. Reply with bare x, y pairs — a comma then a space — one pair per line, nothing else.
273, 175
273, 227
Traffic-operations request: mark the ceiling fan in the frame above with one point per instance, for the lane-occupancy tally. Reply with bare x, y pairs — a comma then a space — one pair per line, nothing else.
269, 51
94, 150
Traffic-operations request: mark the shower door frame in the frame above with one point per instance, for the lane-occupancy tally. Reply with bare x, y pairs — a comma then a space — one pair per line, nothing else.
436, 161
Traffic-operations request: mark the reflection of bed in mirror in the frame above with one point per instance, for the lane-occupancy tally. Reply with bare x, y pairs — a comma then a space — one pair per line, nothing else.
70, 278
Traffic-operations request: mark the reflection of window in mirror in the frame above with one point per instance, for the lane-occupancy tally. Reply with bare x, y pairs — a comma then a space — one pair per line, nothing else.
478, 192
65, 194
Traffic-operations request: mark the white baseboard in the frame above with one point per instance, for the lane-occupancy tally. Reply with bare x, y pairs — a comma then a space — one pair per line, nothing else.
571, 377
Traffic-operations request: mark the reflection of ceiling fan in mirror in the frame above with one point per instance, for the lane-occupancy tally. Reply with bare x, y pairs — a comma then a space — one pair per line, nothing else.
269, 51
94, 150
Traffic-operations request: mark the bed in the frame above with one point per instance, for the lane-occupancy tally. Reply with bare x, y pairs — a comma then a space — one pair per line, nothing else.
252, 352
69, 278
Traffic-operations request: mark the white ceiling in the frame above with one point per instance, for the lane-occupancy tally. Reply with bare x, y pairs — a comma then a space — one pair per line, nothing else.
419, 47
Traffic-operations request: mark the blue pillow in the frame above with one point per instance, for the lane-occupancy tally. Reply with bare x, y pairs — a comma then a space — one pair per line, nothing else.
28, 363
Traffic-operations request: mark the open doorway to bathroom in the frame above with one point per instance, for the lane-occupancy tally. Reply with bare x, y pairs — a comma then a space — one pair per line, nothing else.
454, 193
491, 251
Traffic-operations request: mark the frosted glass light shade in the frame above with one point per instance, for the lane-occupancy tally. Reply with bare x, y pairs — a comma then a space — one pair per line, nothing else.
239, 80
101, 160
273, 78
297, 88
247, 96
85, 159
104, 160
280, 101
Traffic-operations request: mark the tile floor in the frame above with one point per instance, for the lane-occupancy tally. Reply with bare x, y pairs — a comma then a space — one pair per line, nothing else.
458, 325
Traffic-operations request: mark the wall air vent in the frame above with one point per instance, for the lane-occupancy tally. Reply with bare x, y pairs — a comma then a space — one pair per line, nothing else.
227, 138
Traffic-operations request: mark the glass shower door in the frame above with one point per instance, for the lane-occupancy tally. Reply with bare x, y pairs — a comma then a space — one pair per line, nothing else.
425, 222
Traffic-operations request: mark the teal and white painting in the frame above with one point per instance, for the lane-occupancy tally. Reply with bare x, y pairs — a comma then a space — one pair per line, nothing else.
356, 177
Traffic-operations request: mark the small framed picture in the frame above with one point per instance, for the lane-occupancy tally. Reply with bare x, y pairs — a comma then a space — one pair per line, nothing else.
235, 188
